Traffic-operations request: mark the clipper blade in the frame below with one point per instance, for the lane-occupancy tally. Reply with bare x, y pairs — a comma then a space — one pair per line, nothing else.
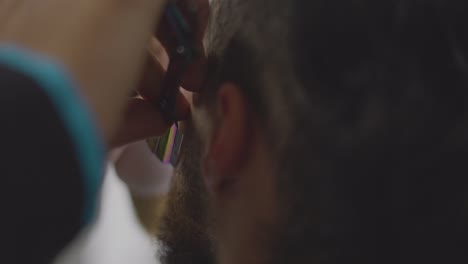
167, 147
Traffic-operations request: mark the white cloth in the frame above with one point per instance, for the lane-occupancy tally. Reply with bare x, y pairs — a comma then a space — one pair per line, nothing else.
143, 173
116, 237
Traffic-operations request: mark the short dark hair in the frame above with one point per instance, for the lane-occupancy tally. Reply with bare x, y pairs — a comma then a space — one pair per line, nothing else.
365, 104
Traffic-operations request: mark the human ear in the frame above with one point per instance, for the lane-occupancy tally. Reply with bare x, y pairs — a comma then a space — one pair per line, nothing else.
227, 143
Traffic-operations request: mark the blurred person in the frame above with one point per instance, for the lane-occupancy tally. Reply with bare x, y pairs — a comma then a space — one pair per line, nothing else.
128, 209
326, 132
65, 92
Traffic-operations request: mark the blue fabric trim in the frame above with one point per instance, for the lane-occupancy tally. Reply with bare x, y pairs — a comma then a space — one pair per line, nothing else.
58, 85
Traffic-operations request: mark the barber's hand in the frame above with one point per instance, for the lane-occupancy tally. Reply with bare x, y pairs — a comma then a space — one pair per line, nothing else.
196, 13
142, 118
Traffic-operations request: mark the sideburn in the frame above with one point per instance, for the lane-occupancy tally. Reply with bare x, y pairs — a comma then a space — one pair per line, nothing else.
184, 231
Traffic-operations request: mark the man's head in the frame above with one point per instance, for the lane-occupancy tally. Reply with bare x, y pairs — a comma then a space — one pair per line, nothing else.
335, 131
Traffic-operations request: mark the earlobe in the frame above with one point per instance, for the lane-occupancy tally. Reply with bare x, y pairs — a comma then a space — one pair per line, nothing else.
229, 138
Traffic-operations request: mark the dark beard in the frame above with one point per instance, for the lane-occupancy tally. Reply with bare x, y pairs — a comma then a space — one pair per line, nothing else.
184, 231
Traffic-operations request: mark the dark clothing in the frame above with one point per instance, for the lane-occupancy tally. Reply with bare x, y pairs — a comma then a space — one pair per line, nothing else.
46, 198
